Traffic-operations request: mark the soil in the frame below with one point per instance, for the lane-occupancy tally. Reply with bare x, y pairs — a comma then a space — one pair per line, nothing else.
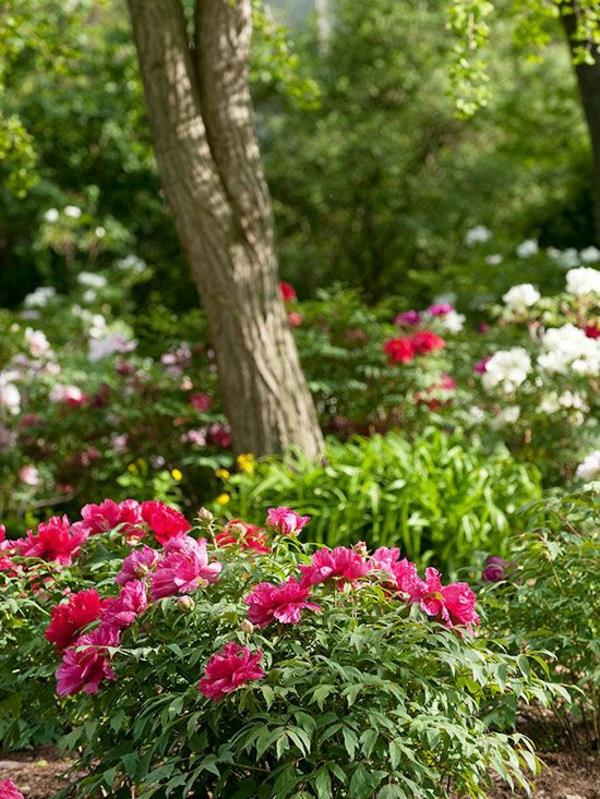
568, 775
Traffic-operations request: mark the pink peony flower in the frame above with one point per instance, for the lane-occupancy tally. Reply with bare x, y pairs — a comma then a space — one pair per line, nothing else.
407, 319
286, 521
184, 568
228, 669
123, 610
384, 559
139, 563
399, 350
342, 565
165, 522
284, 602
288, 292
430, 594
8, 790
459, 601
70, 617
441, 309
29, 475
87, 663
295, 319
55, 541
244, 535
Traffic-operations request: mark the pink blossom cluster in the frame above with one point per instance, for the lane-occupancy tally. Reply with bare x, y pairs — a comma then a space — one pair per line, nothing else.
86, 629
59, 541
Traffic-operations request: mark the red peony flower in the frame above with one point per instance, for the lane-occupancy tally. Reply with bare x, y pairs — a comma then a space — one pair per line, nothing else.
285, 602
165, 522
55, 541
592, 331
219, 435
399, 350
228, 669
201, 401
288, 292
425, 341
70, 617
244, 535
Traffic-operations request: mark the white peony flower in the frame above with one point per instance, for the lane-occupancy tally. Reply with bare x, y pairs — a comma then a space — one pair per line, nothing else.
51, 215
477, 235
589, 468
131, 263
104, 347
37, 342
584, 280
40, 297
509, 415
73, 211
507, 369
494, 260
92, 280
521, 296
10, 397
64, 393
452, 322
567, 347
527, 248
590, 255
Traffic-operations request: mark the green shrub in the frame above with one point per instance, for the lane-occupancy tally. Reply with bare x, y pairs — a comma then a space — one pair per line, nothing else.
440, 497
550, 600
363, 695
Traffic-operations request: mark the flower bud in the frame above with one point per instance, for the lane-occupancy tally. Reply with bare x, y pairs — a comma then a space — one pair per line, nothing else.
185, 604
204, 516
246, 626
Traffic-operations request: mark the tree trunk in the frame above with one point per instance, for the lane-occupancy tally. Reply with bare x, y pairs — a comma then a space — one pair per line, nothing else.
200, 112
588, 80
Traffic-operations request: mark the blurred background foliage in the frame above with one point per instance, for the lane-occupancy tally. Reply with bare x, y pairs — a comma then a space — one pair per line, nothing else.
375, 179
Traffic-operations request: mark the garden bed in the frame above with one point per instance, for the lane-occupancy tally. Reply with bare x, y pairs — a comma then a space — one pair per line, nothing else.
568, 775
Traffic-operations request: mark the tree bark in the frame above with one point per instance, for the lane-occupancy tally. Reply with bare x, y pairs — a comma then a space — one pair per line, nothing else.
200, 111
588, 80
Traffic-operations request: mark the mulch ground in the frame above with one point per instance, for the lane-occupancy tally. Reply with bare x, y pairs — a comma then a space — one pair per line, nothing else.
568, 775
38, 775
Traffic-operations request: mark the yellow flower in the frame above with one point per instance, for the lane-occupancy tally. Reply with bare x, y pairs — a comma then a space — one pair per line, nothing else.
245, 462
132, 468
223, 499
176, 474
223, 474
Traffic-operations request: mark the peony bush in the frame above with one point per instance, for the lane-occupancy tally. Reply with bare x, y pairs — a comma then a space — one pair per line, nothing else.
547, 597
236, 660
